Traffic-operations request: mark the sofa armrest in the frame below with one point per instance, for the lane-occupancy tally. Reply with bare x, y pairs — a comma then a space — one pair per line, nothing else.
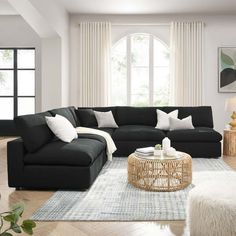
15, 162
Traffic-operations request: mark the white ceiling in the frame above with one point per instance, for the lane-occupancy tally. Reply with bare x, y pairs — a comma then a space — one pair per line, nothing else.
138, 6
6, 8
149, 6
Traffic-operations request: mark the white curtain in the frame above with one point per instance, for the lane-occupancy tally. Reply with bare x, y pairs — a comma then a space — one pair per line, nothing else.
186, 46
95, 48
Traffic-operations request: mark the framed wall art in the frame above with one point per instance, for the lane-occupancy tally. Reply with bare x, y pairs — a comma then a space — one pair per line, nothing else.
227, 69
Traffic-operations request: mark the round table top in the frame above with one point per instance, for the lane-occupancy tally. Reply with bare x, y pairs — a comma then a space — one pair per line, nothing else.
229, 130
178, 156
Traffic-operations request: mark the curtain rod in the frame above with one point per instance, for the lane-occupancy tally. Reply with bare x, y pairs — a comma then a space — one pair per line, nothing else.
139, 24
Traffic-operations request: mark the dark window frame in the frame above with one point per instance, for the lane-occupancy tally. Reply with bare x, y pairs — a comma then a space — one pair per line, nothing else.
15, 95
7, 127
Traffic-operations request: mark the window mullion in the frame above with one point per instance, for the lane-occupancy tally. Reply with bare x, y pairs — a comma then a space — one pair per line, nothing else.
151, 71
15, 83
128, 70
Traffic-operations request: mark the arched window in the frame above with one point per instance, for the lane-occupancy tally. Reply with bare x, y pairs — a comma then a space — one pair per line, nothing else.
140, 71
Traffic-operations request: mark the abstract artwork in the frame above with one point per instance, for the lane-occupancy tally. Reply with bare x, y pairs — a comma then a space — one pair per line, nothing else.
227, 69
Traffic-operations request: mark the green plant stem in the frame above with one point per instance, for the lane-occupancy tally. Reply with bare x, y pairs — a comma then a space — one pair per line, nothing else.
12, 217
5, 231
1, 223
6, 212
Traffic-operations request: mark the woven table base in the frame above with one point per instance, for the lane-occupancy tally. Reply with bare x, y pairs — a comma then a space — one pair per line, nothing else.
162, 175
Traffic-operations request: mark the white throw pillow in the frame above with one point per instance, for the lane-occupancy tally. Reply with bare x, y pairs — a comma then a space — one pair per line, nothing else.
62, 128
163, 119
105, 119
185, 123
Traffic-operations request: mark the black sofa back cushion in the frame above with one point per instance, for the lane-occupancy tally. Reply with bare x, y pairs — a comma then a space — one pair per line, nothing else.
201, 115
68, 113
34, 130
86, 116
136, 116
126, 115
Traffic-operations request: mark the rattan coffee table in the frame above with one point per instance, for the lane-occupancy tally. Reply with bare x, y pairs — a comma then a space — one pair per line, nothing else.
160, 174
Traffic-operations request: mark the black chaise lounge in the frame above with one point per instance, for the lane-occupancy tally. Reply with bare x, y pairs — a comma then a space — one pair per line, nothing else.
39, 160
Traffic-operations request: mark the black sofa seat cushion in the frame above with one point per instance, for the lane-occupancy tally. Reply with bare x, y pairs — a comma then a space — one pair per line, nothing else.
108, 130
80, 152
199, 134
138, 132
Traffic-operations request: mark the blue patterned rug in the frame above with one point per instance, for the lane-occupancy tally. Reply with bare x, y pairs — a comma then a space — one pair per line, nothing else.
111, 198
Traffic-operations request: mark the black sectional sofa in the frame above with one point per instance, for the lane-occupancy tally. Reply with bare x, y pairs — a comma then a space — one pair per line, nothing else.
39, 160
137, 129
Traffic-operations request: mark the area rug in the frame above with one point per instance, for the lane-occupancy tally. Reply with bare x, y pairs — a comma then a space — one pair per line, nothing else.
111, 198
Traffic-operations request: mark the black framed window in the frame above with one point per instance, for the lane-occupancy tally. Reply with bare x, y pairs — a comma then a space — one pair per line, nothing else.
17, 82
17, 86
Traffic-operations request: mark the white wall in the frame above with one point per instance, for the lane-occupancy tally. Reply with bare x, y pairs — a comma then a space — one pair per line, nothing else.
15, 32
160, 31
50, 21
220, 31
58, 18
51, 74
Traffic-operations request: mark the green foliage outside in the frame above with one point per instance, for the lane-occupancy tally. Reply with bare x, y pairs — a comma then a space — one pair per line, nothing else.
119, 74
6, 55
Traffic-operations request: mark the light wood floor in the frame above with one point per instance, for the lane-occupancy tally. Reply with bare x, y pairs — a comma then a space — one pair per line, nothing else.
34, 199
